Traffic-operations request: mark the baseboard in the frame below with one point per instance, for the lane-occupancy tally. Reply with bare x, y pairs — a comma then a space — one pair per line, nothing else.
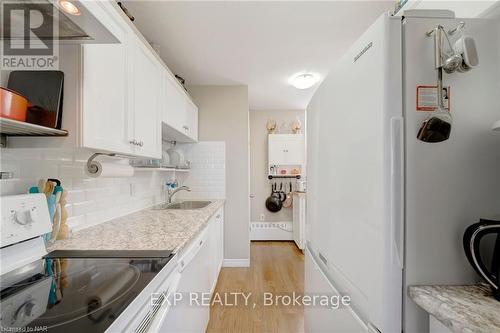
271, 231
236, 263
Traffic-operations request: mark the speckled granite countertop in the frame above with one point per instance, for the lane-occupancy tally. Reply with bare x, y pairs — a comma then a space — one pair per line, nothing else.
467, 309
148, 229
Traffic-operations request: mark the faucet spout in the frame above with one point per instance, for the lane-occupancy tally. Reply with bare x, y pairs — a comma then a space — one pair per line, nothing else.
171, 193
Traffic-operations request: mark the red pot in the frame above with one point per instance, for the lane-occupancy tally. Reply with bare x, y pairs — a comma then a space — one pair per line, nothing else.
13, 105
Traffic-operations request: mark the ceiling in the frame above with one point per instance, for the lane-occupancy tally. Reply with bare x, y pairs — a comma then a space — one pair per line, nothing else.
259, 43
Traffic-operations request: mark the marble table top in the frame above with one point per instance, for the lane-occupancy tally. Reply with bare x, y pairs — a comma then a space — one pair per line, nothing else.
148, 229
464, 309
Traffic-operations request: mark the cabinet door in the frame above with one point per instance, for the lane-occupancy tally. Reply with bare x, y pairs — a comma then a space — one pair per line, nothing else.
106, 114
276, 150
175, 111
219, 219
190, 126
146, 101
294, 150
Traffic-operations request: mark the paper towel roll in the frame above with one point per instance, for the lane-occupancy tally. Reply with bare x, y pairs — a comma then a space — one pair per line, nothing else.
109, 169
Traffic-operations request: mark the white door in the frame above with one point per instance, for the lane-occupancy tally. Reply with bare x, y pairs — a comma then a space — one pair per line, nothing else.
106, 113
356, 219
299, 211
326, 319
190, 315
190, 126
176, 104
146, 101
294, 149
277, 150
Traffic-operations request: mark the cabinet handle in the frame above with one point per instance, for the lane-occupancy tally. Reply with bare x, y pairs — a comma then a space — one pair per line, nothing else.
185, 127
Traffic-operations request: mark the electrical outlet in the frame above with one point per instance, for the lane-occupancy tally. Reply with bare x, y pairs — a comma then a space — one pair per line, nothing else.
262, 217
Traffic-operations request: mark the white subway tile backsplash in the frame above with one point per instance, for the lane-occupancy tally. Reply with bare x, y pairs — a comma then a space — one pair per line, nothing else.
95, 200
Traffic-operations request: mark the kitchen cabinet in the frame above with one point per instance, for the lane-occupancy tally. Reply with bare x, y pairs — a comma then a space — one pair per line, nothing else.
106, 114
299, 219
286, 149
145, 92
180, 116
199, 264
117, 95
120, 97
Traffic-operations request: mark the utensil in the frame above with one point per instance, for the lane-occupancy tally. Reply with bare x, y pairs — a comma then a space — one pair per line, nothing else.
289, 198
282, 194
13, 105
273, 202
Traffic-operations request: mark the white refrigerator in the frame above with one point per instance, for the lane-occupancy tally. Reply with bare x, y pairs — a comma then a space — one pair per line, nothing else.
385, 210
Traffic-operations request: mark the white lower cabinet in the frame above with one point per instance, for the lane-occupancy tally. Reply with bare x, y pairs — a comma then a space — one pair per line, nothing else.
199, 265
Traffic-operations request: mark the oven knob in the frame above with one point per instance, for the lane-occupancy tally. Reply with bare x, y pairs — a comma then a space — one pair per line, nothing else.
24, 217
24, 312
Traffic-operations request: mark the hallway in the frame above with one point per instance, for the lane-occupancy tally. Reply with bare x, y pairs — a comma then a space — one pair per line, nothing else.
277, 268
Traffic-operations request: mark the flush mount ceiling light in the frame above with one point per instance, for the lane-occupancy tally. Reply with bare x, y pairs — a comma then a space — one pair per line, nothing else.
304, 80
69, 7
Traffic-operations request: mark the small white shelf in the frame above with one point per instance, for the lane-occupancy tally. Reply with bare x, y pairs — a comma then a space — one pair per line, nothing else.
160, 169
11, 127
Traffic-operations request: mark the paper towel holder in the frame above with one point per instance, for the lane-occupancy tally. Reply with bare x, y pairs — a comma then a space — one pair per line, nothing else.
93, 168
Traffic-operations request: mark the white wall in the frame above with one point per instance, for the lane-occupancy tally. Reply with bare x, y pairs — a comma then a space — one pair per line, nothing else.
223, 116
90, 201
207, 178
259, 184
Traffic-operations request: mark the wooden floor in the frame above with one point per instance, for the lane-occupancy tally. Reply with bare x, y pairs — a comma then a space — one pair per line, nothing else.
276, 267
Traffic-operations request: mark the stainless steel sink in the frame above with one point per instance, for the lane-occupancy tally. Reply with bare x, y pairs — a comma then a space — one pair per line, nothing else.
186, 205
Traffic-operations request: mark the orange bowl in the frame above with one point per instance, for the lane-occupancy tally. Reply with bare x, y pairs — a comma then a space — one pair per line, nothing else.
12, 105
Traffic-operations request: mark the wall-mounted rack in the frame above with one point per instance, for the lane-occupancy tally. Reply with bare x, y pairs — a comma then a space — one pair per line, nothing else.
283, 176
9, 127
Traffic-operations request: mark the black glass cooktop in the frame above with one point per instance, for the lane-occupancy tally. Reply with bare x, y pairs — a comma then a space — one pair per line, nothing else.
75, 291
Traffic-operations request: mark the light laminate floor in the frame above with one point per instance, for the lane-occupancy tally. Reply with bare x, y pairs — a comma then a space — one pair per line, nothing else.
277, 268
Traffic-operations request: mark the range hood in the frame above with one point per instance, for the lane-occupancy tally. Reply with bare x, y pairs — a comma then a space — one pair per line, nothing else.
79, 28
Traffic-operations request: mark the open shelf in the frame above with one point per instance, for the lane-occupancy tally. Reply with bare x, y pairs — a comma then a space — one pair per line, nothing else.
137, 168
9, 127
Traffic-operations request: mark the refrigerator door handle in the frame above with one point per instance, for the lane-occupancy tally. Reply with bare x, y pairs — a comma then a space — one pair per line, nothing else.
397, 188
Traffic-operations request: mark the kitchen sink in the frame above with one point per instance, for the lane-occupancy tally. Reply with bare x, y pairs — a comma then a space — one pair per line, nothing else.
186, 205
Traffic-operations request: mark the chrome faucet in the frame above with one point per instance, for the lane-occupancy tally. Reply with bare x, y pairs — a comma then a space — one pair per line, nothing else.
171, 193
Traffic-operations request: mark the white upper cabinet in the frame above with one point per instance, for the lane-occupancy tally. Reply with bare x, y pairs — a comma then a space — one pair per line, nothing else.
145, 95
286, 149
106, 113
180, 119
175, 104
127, 93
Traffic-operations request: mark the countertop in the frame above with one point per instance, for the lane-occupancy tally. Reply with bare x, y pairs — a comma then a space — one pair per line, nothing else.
467, 309
148, 229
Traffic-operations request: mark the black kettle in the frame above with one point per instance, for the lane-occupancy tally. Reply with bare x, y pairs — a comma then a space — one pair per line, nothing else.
472, 239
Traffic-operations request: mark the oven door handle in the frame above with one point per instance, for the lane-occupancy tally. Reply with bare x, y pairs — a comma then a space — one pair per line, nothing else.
170, 291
